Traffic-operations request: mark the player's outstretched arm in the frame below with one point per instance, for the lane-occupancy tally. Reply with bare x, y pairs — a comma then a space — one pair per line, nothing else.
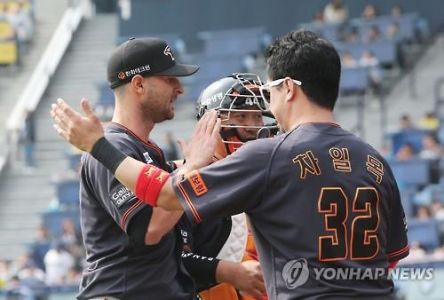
150, 184
81, 131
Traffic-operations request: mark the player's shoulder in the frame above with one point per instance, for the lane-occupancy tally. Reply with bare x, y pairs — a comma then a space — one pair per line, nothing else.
371, 151
126, 141
118, 136
119, 139
262, 146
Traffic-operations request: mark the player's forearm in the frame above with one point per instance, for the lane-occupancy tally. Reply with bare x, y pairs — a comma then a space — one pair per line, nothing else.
131, 173
149, 183
128, 171
161, 223
226, 271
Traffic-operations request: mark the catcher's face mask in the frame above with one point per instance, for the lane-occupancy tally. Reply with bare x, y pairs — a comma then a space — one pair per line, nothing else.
243, 111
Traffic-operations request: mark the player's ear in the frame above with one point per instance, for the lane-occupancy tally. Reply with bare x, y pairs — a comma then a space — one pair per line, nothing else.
290, 90
137, 84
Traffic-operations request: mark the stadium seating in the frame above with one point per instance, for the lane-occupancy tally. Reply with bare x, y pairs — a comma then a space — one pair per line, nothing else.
73, 160
8, 44
104, 106
410, 136
8, 52
384, 50
407, 201
407, 24
425, 232
53, 220
234, 41
415, 172
331, 32
354, 80
411, 173
67, 192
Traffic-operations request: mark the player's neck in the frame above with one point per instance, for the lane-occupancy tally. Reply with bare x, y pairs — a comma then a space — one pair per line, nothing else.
134, 121
311, 114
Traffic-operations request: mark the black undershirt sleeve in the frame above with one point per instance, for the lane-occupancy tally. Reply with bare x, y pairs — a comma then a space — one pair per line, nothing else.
201, 268
137, 229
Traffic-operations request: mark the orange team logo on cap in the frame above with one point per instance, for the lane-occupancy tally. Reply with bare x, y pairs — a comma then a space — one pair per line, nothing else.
121, 75
168, 52
197, 183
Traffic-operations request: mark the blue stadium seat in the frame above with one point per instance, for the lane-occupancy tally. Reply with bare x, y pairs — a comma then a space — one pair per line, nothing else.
406, 23
233, 45
331, 32
384, 50
407, 201
414, 172
440, 134
104, 106
411, 136
106, 95
67, 192
212, 68
53, 220
73, 160
354, 80
233, 41
425, 232
229, 33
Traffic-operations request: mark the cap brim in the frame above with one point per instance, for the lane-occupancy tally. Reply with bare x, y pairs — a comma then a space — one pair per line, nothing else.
180, 70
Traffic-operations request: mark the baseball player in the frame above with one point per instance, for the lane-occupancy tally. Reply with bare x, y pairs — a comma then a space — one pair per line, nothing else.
324, 205
242, 111
131, 250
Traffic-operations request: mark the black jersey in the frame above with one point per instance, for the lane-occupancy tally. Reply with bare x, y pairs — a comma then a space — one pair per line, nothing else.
319, 198
114, 267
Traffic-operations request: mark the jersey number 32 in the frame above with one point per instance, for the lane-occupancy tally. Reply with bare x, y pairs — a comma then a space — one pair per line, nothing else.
349, 237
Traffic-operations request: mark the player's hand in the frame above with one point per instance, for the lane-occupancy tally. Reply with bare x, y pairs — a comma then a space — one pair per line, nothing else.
245, 276
199, 150
81, 131
250, 280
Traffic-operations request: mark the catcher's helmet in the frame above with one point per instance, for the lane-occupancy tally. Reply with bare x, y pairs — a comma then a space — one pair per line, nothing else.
239, 92
230, 93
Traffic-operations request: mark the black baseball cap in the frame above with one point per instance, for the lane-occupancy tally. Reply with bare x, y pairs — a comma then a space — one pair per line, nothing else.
145, 56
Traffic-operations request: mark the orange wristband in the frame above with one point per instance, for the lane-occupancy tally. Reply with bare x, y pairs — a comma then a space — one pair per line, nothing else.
149, 183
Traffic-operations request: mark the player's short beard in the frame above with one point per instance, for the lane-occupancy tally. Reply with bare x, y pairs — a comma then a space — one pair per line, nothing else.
156, 110
246, 137
156, 113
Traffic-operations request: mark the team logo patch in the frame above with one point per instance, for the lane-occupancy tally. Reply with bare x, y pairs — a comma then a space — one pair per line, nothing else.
168, 52
121, 76
197, 183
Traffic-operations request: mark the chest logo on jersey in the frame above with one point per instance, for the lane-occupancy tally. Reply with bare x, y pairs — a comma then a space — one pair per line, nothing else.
295, 273
308, 163
197, 183
121, 196
147, 157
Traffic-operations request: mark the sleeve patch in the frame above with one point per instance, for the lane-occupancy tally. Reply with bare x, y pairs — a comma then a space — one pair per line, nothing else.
197, 183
